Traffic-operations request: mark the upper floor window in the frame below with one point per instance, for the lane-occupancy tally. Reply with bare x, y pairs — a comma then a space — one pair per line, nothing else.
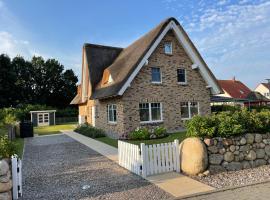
168, 48
181, 76
189, 109
156, 75
150, 112
111, 111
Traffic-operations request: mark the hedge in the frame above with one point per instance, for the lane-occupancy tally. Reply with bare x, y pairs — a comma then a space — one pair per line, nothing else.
226, 124
90, 131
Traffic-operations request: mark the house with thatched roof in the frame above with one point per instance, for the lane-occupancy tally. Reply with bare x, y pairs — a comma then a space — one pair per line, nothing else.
159, 80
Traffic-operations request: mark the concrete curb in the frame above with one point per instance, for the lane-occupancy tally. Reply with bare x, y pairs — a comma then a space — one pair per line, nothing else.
221, 190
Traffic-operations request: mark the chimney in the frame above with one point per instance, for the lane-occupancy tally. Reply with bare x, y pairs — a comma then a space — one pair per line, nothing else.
233, 78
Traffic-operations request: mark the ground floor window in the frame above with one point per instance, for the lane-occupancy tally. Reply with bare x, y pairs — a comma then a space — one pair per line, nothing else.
150, 112
111, 109
189, 109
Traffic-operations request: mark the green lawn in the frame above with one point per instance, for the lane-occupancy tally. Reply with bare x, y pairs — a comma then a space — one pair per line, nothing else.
113, 142
48, 130
109, 141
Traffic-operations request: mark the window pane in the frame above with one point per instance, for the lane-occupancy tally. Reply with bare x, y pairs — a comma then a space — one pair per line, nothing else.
184, 110
168, 48
112, 113
156, 74
156, 111
193, 108
144, 111
181, 75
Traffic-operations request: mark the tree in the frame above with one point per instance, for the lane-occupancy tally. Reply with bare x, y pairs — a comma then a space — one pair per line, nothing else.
35, 82
7, 80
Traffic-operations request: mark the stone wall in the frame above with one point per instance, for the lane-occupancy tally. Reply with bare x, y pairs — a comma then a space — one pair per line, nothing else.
236, 153
5, 181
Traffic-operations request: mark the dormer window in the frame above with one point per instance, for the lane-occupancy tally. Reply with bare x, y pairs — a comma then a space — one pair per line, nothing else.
168, 48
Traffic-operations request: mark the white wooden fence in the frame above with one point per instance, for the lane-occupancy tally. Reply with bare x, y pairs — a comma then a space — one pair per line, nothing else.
16, 176
149, 159
129, 156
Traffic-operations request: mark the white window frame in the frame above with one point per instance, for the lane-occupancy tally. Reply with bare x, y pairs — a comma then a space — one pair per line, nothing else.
189, 109
168, 43
111, 106
182, 83
150, 113
156, 82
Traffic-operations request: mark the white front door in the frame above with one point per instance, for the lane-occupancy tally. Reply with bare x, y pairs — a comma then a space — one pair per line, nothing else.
93, 116
43, 119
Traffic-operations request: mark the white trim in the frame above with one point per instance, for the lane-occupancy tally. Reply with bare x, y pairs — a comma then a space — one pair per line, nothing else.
171, 52
157, 82
189, 50
47, 111
108, 113
182, 83
150, 113
195, 66
147, 55
189, 109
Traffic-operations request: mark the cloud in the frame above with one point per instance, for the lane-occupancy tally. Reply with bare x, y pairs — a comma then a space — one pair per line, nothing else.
234, 38
13, 47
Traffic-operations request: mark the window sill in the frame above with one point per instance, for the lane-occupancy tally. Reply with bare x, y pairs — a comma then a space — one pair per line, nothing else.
156, 83
185, 119
152, 122
112, 123
182, 83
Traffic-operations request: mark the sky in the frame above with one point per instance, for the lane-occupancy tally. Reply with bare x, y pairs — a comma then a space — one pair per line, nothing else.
232, 36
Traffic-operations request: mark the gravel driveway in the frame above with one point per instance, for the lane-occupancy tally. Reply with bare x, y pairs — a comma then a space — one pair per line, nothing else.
58, 167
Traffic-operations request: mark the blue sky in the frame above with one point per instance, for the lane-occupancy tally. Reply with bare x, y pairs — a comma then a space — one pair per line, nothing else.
232, 36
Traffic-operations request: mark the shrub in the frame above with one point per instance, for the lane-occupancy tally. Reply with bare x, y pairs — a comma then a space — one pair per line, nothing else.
139, 134
7, 147
160, 132
228, 125
225, 124
90, 131
200, 126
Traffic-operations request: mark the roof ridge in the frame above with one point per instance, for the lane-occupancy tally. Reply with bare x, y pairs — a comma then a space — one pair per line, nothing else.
101, 46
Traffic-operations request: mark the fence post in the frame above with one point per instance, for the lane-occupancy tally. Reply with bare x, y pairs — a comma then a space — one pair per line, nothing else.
176, 143
14, 176
143, 160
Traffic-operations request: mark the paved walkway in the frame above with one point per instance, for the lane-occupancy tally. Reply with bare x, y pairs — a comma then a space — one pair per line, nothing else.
58, 167
174, 183
259, 191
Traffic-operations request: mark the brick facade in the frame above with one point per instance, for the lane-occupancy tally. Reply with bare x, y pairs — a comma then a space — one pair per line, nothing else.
170, 93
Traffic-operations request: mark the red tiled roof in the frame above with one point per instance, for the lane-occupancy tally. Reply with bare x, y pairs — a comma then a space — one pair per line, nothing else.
236, 89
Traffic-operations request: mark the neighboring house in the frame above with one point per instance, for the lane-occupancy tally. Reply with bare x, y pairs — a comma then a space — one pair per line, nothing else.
264, 89
234, 89
159, 80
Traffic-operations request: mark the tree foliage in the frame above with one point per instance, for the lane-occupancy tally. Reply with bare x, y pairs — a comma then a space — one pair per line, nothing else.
37, 81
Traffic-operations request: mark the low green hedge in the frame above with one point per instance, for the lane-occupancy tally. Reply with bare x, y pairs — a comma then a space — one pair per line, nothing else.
90, 131
226, 124
7, 147
146, 134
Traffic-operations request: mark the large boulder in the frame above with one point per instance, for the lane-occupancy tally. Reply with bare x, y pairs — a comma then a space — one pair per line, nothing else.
5, 187
193, 156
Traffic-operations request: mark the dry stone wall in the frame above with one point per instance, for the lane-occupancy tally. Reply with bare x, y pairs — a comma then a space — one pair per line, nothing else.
5, 181
236, 153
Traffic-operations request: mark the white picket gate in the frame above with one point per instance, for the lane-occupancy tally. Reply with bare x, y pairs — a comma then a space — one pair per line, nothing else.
149, 159
16, 164
129, 156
